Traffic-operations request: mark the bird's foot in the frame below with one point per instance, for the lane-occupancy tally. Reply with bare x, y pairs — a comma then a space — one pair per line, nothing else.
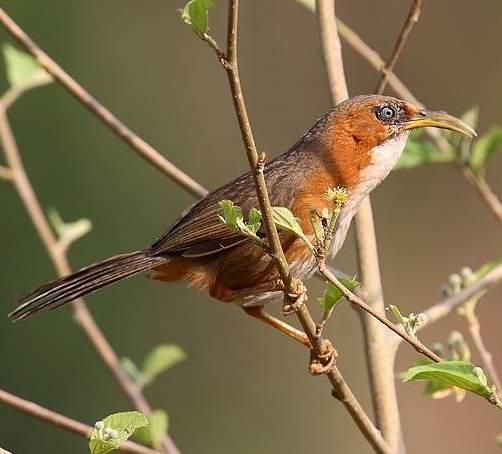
320, 364
293, 301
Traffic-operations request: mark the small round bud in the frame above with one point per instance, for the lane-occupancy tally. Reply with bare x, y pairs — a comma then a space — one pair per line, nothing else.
445, 290
466, 272
480, 374
455, 282
438, 349
467, 275
99, 425
421, 318
458, 347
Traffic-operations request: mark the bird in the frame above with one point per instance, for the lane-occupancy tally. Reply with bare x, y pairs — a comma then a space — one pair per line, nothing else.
354, 146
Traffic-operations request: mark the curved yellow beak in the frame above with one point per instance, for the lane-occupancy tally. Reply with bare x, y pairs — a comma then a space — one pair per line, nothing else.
439, 120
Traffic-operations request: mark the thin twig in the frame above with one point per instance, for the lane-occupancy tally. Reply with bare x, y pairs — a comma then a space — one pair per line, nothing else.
374, 59
445, 307
59, 420
363, 422
341, 390
484, 190
474, 328
82, 316
381, 369
230, 63
411, 20
145, 150
358, 302
231, 66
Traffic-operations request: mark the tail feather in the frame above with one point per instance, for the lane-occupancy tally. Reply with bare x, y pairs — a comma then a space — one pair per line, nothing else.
84, 281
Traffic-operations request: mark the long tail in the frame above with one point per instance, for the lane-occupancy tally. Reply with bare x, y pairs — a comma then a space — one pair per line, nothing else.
87, 280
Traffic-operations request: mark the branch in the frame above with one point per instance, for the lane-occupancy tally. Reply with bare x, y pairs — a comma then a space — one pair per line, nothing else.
145, 150
331, 50
374, 59
484, 190
256, 163
359, 303
59, 420
81, 314
445, 307
412, 19
474, 328
322, 349
338, 89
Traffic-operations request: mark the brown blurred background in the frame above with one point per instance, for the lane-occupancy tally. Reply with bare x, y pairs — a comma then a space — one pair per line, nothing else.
244, 388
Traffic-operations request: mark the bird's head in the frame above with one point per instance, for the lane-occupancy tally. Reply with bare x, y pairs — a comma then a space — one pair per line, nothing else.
366, 135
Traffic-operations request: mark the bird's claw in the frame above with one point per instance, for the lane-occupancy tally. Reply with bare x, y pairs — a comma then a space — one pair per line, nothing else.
293, 301
320, 364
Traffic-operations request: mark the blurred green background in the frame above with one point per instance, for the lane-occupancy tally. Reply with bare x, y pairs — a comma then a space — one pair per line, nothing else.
244, 388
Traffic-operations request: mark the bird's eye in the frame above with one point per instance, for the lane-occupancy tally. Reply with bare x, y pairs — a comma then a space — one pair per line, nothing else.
386, 113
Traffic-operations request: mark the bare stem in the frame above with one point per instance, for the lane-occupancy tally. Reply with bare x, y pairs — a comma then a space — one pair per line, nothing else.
145, 150
475, 333
358, 302
256, 162
444, 307
82, 316
59, 420
484, 190
338, 89
374, 59
412, 19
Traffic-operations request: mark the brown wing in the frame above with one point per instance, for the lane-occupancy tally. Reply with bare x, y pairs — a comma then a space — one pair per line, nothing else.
199, 231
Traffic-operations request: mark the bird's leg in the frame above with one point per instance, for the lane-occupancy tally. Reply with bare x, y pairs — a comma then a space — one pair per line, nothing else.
260, 313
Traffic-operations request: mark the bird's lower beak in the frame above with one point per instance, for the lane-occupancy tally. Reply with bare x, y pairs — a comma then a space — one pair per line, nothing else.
439, 120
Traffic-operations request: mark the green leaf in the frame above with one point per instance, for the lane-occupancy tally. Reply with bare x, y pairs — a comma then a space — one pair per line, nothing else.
109, 433
454, 373
254, 220
397, 314
161, 358
22, 67
484, 147
486, 268
101, 446
231, 214
131, 369
195, 14
333, 295
310, 4
152, 434
471, 117
418, 153
68, 232
285, 220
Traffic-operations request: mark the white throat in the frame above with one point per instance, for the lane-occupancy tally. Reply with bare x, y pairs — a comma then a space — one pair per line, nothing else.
384, 159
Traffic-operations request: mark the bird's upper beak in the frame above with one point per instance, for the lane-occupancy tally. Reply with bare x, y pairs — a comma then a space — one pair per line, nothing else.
439, 120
